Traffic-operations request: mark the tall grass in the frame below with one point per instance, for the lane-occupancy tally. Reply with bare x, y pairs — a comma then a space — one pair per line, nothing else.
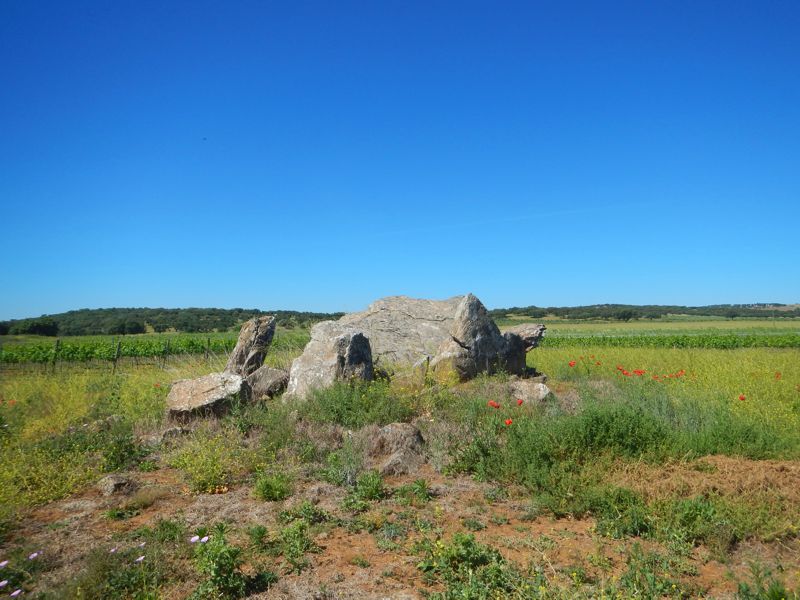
59, 431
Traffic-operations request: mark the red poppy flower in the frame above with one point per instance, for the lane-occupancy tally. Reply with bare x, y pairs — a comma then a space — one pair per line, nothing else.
655, 377
598, 363
493, 404
639, 372
158, 385
626, 373
519, 401
741, 397
572, 363
777, 374
508, 422
681, 373
620, 368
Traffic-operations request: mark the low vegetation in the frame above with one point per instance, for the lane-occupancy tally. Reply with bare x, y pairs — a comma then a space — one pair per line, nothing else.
651, 472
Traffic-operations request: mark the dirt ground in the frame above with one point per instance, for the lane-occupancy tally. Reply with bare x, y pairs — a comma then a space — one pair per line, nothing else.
350, 564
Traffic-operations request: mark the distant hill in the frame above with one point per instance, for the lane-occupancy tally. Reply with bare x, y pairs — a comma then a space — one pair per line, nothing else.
100, 321
627, 312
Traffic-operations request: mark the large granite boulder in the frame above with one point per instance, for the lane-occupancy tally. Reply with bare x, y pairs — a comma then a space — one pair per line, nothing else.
333, 354
477, 346
206, 395
455, 335
251, 347
402, 330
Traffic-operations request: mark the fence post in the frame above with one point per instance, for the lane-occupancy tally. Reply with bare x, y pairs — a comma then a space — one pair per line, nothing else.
56, 348
116, 356
208, 346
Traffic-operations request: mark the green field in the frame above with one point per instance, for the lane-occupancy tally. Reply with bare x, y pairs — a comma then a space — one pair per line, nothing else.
651, 472
714, 333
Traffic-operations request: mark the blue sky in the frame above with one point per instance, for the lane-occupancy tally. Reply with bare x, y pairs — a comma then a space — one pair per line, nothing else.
319, 155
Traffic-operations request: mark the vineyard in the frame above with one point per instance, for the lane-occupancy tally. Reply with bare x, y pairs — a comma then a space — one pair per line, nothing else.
721, 341
109, 348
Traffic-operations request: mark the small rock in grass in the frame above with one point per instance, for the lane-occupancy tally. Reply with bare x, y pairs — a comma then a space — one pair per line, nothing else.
111, 485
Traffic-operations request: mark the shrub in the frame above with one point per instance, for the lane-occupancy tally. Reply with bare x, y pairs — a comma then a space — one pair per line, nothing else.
648, 574
116, 575
344, 465
701, 520
469, 569
369, 486
208, 462
304, 511
415, 494
295, 543
220, 563
620, 512
273, 486
764, 587
259, 538
354, 405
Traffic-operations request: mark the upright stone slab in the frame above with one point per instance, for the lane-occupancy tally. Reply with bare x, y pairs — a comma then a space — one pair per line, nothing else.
251, 347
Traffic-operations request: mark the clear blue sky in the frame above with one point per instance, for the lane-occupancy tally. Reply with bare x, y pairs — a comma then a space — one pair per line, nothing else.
318, 155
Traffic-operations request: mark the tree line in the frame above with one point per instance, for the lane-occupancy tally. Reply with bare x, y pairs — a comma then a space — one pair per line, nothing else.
627, 312
121, 321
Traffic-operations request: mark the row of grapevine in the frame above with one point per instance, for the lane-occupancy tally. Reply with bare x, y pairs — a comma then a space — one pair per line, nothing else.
100, 348
154, 346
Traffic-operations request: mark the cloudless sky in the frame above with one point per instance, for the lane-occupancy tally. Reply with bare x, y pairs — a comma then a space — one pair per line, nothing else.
319, 155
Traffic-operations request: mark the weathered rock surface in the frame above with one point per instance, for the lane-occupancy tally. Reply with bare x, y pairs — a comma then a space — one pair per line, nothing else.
333, 354
400, 329
111, 485
531, 334
210, 394
477, 346
266, 382
251, 347
170, 434
455, 334
395, 449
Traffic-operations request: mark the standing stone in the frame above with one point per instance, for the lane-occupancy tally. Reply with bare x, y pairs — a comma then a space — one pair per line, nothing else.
330, 356
251, 347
